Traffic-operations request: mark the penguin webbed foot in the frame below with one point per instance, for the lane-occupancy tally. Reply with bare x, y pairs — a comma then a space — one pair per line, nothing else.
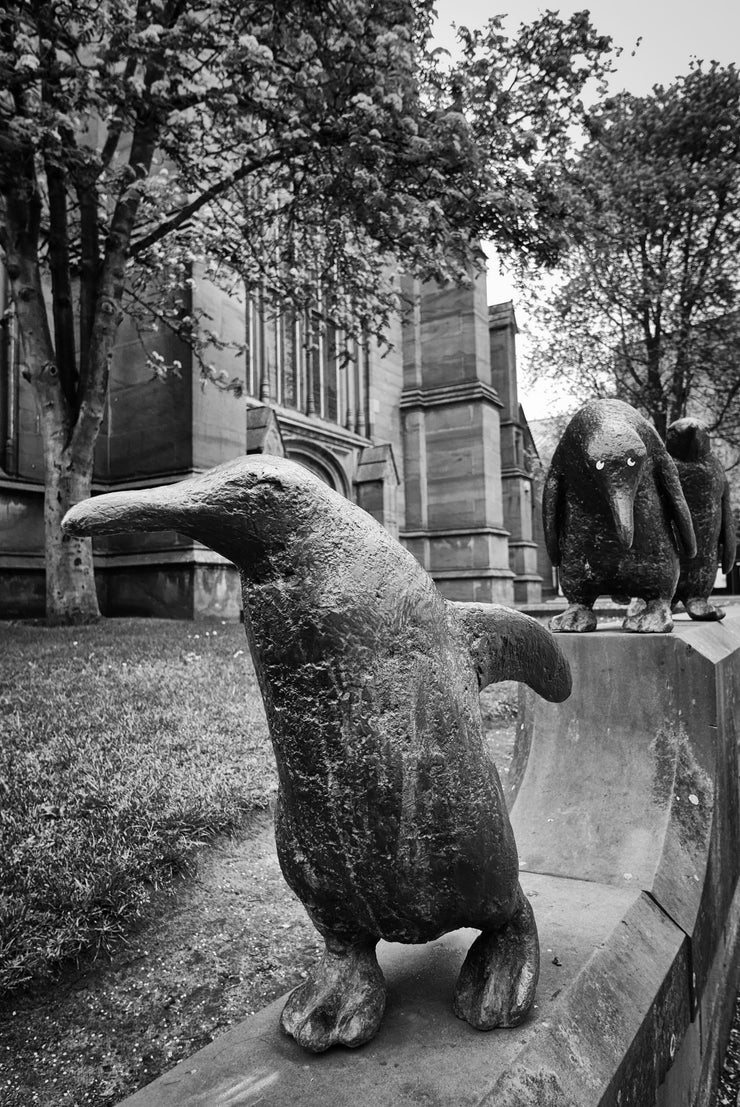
498, 979
576, 619
699, 608
652, 618
341, 1003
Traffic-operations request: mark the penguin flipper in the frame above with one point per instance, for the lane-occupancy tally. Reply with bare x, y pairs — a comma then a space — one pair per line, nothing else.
727, 535
508, 645
551, 511
667, 477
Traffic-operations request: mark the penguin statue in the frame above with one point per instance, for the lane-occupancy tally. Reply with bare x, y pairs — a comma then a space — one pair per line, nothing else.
707, 493
390, 820
611, 499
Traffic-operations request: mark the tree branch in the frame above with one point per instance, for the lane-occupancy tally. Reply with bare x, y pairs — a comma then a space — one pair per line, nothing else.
211, 193
116, 128
21, 225
111, 280
61, 287
89, 267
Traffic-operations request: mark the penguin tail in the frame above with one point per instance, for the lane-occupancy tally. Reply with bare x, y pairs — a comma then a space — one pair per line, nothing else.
505, 644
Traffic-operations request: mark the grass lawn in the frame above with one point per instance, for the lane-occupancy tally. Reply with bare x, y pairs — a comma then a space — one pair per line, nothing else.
123, 747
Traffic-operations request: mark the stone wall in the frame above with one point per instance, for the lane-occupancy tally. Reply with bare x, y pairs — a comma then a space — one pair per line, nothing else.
519, 504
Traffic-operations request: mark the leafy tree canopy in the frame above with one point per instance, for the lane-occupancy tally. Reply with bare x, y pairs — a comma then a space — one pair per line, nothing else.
646, 306
296, 143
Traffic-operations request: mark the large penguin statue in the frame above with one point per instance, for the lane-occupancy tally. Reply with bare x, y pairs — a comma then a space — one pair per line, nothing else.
390, 820
611, 500
707, 493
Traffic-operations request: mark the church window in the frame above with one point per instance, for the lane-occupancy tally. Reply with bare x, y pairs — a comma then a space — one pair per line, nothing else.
298, 361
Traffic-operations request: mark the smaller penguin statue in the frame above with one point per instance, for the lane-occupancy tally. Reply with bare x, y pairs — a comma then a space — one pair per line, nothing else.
611, 501
707, 493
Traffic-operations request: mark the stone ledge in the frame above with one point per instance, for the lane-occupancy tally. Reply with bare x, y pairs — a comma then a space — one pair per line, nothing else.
422, 1053
463, 392
454, 532
470, 574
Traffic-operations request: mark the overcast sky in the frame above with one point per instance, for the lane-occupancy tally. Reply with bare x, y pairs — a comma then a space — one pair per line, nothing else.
672, 31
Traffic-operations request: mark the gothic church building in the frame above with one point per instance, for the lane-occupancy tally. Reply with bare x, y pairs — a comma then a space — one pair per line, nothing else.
430, 439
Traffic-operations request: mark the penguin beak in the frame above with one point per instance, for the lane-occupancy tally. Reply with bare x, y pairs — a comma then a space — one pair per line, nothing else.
621, 504
211, 508
116, 512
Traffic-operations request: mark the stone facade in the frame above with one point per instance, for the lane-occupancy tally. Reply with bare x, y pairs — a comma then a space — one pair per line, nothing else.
426, 437
454, 521
517, 462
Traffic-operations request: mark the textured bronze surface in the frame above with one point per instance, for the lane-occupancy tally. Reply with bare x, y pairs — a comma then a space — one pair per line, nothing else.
611, 501
707, 493
390, 820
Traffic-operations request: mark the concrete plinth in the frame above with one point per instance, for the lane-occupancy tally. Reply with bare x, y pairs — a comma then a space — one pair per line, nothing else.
625, 808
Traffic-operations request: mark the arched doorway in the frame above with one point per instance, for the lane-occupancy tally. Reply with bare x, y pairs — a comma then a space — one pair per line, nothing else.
321, 464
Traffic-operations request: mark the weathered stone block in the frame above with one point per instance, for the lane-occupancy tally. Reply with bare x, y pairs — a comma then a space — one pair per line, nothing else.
22, 593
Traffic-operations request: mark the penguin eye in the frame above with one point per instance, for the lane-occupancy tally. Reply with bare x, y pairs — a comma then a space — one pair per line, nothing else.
600, 464
631, 461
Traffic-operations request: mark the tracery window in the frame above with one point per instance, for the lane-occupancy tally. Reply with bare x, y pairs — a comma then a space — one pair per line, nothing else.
296, 360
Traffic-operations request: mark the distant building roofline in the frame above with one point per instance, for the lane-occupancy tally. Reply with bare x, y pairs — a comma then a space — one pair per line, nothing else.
502, 315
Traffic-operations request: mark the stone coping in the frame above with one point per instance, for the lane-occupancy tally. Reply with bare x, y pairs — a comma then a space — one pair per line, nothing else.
423, 1054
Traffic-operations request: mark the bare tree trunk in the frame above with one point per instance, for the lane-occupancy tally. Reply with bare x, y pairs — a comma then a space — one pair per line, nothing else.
70, 585
70, 397
70, 582
655, 394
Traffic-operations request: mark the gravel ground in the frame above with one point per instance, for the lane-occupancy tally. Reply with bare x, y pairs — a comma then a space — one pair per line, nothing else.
222, 947
728, 1092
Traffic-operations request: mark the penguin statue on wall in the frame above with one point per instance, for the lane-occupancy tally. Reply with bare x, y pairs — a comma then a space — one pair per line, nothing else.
390, 820
707, 493
611, 500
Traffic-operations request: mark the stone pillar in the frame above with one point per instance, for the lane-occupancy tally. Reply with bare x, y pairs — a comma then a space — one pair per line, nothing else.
265, 390
516, 478
454, 512
310, 363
